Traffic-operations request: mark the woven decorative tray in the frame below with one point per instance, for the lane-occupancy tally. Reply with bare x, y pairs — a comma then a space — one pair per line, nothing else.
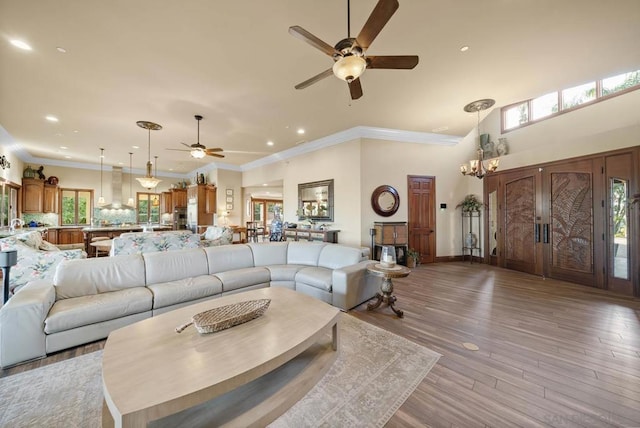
227, 316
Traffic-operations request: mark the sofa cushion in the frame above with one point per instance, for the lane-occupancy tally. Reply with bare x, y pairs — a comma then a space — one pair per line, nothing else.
229, 257
138, 243
80, 311
75, 278
172, 266
240, 278
317, 277
184, 290
284, 272
34, 264
304, 253
335, 256
271, 253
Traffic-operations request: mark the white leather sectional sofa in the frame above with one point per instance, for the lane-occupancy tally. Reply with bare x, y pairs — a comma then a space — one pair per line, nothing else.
87, 299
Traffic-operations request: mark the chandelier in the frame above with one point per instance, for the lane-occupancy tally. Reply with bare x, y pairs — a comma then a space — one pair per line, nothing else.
148, 181
476, 167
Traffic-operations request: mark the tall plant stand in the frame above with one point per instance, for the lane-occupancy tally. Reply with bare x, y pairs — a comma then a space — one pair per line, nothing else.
470, 234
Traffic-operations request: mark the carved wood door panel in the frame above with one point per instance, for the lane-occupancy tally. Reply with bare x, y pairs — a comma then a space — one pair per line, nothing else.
572, 218
520, 198
422, 216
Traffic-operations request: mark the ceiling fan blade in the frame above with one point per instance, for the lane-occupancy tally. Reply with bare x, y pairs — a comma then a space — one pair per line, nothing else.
302, 34
245, 152
355, 88
179, 150
216, 155
217, 149
314, 79
405, 62
185, 144
377, 20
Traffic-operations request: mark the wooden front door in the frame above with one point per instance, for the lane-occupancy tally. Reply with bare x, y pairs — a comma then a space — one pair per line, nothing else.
422, 216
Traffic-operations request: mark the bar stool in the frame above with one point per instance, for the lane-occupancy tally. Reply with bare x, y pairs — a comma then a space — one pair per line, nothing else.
97, 249
252, 231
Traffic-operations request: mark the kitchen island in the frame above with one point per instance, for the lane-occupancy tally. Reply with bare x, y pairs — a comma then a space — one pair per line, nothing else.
111, 232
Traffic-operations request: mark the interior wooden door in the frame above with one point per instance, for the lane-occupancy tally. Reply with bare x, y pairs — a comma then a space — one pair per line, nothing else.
572, 218
521, 241
422, 215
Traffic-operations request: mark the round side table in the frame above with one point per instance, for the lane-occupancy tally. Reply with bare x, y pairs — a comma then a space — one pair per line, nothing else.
385, 295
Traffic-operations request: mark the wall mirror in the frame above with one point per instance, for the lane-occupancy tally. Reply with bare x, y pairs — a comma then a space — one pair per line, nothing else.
385, 200
315, 201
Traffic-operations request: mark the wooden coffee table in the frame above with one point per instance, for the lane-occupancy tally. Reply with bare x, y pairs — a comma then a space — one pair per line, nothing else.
242, 376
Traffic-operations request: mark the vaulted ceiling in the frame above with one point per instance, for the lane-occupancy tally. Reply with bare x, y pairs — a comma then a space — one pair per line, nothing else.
235, 63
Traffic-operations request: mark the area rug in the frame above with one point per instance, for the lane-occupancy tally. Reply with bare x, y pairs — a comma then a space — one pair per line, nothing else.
374, 374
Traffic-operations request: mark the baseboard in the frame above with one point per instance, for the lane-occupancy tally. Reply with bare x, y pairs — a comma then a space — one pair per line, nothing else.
445, 259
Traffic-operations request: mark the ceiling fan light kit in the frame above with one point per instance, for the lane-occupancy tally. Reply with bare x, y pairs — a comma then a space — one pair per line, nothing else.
349, 68
197, 150
149, 181
349, 54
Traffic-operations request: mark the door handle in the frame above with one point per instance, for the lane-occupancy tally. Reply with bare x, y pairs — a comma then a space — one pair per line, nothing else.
545, 233
536, 232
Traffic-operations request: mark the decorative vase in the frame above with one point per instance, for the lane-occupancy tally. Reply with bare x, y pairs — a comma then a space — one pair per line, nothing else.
470, 240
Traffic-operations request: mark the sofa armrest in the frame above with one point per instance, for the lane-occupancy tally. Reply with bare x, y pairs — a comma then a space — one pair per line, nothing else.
22, 318
353, 285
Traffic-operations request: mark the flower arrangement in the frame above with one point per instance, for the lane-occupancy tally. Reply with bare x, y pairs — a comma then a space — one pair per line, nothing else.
470, 203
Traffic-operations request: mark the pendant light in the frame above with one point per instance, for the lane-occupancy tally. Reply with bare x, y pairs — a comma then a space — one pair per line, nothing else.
148, 181
476, 167
130, 202
101, 198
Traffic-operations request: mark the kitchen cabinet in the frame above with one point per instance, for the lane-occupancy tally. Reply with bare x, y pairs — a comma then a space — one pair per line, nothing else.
51, 236
70, 236
50, 199
178, 198
32, 195
393, 233
202, 204
210, 197
166, 203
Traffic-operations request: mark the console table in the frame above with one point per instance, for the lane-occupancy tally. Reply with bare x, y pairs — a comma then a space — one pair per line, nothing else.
298, 234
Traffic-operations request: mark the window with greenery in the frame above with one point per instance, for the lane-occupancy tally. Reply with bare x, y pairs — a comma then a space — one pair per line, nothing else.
76, 207
549, 105
148, 205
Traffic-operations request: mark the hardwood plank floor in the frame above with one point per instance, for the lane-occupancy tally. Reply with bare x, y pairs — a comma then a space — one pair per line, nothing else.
551, 353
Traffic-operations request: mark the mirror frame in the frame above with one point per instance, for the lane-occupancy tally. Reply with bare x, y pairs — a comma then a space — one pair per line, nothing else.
376, 205
328, 184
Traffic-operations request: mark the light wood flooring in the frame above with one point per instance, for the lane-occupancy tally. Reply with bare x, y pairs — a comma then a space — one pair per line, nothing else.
551, 353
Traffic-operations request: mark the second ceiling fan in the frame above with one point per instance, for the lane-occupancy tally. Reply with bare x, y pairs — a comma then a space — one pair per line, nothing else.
198, 150
350, 54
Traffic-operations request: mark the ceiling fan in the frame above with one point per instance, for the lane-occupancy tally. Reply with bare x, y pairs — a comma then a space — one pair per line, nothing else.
350, 54
198, 150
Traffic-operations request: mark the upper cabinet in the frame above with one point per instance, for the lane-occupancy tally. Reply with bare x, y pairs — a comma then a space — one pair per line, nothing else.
32, 195
178, 198
50, 198
166, 205
38, 197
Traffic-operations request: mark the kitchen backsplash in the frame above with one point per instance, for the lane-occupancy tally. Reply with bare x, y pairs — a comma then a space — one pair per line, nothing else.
49, 219
113, 217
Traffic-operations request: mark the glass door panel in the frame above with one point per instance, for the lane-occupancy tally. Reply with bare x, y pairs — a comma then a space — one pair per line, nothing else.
619, 226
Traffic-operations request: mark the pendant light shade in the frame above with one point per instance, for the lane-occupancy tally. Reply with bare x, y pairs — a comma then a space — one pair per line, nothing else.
349, 68
149, 181
101, 198
130, 202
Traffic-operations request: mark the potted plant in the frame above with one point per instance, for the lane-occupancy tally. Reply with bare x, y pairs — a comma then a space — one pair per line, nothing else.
413, 258
470, 203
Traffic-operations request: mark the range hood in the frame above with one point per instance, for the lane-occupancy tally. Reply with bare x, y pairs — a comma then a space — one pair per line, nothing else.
116, 192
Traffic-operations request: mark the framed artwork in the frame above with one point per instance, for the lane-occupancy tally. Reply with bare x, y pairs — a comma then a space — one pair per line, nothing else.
229, 207
230, 199
229, 192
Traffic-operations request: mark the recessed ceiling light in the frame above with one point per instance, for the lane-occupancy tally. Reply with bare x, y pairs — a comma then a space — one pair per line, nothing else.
265, 184
64, 147
75, 131
67, 157
61, 49
300, 131
21, 45
135, 147
269, 143
170, 169
51, 118
464, 48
